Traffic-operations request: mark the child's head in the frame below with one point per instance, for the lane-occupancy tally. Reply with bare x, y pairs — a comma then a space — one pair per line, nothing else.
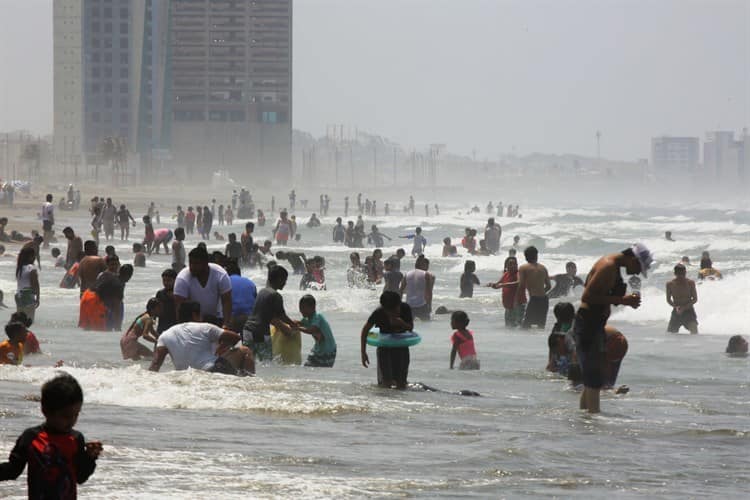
146, 219
391, 301
571, 268
377, 253
153, 307
419, 230
680, 271
21, 317
55, 252
232, 237
307, 305
62, 399
113, 263
137, 248
737, 346
168, 277
511, 265
179, 234
388, 264
354, 258
564, 312
126, 272
459, 320
531, 254
249, 227
447, 241
470, 266
109, 250
16, 331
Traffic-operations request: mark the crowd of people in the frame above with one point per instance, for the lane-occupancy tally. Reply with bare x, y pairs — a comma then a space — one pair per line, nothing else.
208, 316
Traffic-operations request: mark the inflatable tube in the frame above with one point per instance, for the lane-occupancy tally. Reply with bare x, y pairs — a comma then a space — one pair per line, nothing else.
406, 339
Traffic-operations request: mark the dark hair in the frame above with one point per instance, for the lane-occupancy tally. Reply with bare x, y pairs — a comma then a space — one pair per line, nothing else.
55, 252
169, 273
61, 392
21, 317
232, 268
186, 311
679, 268
90, 247
470, 266
152, 304
460, 317
179, 233
277, 273
390, 299
307, 300
14, 328
564, 312
126, 272
531, 254
250, 226
24, 255
232, 237
199, 253
553, 340
734, 344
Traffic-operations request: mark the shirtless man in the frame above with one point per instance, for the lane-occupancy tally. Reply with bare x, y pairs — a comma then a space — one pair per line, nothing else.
564, 283
91, 265
682, 295
75, 247
534, 278
604, 288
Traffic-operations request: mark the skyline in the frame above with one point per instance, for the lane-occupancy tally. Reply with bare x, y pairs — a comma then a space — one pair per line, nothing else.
583, 67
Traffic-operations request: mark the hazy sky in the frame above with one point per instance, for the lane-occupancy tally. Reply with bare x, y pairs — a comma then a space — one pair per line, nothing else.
495, 76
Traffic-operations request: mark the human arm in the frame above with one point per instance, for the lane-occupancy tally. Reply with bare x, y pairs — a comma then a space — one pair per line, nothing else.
149, 333
85, 458
521, 290
313, 330
17, 458
429, 285
475, 279
159, 354
600, 282
363, 342
453, 355
693, 293
669, 294
402, 287
34, 278
547, 284
226, 308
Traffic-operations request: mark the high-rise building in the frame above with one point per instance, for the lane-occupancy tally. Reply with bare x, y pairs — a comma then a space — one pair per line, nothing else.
231, 91
204, 83
724, 157
675, 154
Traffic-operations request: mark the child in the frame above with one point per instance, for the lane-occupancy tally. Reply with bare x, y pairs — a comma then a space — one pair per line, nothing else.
562, 347
139, 259
142, 326
393, 316
468, 279
234, 248
148, 239
229, 215
463, 342
59, 259
11, 350
509, 283
323, 353
218, 236
165, 296
392, 276
30, 343
58, 456
178, 250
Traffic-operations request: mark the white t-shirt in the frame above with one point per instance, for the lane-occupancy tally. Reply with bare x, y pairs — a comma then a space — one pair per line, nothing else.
209, 297
191, 345
48, 211
24, 280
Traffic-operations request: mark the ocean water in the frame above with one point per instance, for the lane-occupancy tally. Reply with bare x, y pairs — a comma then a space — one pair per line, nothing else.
682, 431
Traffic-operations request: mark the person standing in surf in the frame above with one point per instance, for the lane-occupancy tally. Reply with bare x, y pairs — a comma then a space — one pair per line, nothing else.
604, 288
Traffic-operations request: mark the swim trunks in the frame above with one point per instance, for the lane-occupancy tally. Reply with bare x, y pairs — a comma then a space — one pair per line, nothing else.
221, 365
536, 312
589, 334
687, 319
393, 365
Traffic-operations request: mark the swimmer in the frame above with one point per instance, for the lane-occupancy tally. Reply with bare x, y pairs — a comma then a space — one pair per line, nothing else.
682, 296
139, 256
668, 236
737, 346
534, 278
462, 341
565, 282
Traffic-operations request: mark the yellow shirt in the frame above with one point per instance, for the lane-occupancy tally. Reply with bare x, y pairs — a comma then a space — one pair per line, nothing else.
11, 354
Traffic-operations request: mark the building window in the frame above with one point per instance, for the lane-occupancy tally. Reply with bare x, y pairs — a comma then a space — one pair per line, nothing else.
108, 57
123, 28
123, 58
107, 88
123, 43
108, 72
95, 117
217, 116
95, 27
269, 117
123, 72
123, 88
107, 12
236, 116
95, 57
124, 102
95, 88
95, 43
123, 12
95, 72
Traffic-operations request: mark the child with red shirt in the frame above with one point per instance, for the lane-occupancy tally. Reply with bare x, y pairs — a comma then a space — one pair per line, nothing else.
509, 284
58, 457
463, 342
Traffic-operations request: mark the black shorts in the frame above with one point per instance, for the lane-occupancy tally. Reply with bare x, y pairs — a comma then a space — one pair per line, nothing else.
221, 365
589, 335
47, 225
421, 312
393, 365
687, 319
536, 312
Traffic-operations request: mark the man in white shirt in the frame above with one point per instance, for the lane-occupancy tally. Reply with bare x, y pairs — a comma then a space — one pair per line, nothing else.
205, 283
48, 220
202, 346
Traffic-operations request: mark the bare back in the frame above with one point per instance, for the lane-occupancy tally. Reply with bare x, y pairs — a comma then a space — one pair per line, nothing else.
535, 279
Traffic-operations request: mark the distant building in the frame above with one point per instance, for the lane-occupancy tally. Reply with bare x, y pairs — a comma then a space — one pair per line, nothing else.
724, 157
205, 84
675, 154
231, 69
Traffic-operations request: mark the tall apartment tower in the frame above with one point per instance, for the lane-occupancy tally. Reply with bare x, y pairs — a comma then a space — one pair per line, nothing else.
109, 60
230, 63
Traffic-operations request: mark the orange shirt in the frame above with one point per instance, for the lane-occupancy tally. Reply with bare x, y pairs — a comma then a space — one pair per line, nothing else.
93, 312
11, 354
